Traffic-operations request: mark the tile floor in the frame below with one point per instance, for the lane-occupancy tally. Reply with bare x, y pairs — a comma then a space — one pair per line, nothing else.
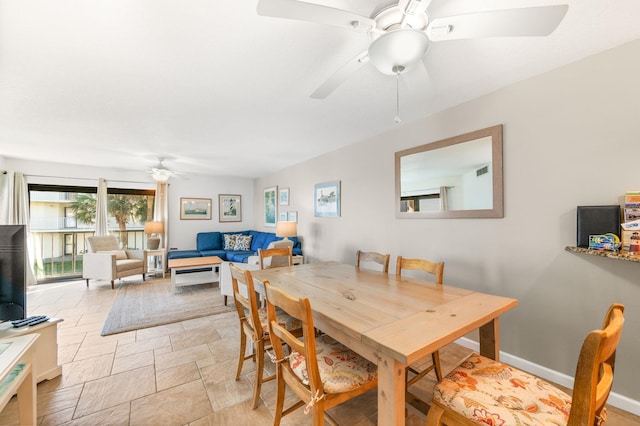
176, 374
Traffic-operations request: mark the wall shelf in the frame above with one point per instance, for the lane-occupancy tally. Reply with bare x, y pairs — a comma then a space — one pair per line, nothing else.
604, 253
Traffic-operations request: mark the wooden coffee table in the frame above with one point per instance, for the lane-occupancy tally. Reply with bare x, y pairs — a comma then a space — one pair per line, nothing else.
194, 270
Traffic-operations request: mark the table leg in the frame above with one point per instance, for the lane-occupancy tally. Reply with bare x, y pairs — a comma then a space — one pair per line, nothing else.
27, 405
173, 280
391, 391
490, 339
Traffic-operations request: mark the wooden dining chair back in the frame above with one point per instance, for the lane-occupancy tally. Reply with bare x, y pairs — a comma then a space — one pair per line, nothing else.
371, 256
434, 268
507, 395
246, 303
280, 256
437, 270
321, 382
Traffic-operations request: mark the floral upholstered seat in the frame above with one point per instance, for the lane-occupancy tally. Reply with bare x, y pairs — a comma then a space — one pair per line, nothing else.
341, 369
284, 319
490, 392
482, 391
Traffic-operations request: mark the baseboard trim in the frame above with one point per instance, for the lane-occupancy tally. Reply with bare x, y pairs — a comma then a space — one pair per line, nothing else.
619, 401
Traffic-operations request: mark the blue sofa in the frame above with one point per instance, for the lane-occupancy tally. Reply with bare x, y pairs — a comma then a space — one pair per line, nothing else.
212, 244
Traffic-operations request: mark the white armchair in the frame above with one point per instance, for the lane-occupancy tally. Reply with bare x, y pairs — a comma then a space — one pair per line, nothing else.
106, 261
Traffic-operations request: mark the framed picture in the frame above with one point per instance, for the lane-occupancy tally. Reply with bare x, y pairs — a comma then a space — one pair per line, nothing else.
230, 208
326, 200
270, 207
284, 196
195, 208
293, 216
282, 217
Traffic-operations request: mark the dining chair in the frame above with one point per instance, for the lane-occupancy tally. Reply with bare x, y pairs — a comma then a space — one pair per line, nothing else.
371, 256
280, 256
320, 371
485, 391
436, 269
253, 326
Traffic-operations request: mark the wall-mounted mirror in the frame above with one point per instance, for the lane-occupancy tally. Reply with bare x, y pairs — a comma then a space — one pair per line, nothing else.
458, 177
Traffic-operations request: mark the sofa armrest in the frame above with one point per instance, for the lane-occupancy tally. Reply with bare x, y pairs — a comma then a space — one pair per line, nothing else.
99, 266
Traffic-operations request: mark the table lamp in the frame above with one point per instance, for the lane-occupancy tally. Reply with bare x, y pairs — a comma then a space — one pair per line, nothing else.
286, 229
153, 228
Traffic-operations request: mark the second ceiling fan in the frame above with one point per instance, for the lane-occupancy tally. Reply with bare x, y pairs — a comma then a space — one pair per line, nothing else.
400, 34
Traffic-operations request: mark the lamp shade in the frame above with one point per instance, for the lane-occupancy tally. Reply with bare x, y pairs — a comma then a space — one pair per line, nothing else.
153, 227
286, 229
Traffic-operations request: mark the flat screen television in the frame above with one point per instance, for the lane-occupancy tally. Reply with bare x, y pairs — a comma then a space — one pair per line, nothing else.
13, 289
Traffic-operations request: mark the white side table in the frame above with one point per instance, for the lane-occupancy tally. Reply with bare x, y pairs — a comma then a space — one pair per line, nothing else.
46, 348
158, 267
17, 365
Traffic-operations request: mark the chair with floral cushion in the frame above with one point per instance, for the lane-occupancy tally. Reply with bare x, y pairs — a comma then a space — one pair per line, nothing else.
483, 391
320, 371
437, 270
373, 257
253, 326
279, 256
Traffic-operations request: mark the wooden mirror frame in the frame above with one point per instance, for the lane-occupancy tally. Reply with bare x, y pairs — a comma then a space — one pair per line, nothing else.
495, 132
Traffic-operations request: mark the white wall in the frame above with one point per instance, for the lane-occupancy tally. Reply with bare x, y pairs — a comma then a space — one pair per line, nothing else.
571, 137
182, 233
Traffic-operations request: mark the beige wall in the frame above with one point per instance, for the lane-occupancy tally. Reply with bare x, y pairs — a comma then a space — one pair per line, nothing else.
571, 137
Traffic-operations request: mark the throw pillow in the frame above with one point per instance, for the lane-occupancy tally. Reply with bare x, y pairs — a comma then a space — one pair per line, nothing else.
243, 242
230, 241
120, 254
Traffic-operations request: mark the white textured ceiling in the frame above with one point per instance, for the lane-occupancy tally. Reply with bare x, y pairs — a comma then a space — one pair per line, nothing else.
219, 90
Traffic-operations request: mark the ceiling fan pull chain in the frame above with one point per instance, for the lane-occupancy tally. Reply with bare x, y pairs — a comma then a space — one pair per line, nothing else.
398, 69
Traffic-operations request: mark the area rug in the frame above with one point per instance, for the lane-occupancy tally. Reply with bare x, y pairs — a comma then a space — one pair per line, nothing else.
151, 303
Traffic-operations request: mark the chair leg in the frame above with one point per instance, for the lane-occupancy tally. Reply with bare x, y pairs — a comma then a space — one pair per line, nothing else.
259, 357
112, 285
434, 415
241, 357
87, 282
143, 277
317, 414
280, 389
225, 301
435, 357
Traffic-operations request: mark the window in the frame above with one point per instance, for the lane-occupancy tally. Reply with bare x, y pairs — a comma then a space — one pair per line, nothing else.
63, 216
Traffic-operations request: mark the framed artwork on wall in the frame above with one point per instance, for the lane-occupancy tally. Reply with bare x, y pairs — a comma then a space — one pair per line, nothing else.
282, 217
326, 202
270, 207
195, 208
292, 216
284, 196
229, 208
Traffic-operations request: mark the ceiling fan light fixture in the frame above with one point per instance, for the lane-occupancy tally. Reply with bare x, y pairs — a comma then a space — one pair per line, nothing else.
161, 175
402, 47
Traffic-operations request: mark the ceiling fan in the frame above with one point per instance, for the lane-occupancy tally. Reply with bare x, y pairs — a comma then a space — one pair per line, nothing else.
161, 173
400, 34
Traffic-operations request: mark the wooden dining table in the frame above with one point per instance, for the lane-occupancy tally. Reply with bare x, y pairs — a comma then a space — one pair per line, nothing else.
392, 321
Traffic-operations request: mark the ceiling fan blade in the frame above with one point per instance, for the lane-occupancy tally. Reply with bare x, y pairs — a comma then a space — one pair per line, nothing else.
340, 76
414, 7
529, 21
310, 12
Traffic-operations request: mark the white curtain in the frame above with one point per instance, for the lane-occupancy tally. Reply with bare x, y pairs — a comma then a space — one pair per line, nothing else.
161, 210
101, 208
6, 197
444, 198
14, 210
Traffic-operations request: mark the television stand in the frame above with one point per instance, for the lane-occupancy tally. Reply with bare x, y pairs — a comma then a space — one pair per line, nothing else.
46, 356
